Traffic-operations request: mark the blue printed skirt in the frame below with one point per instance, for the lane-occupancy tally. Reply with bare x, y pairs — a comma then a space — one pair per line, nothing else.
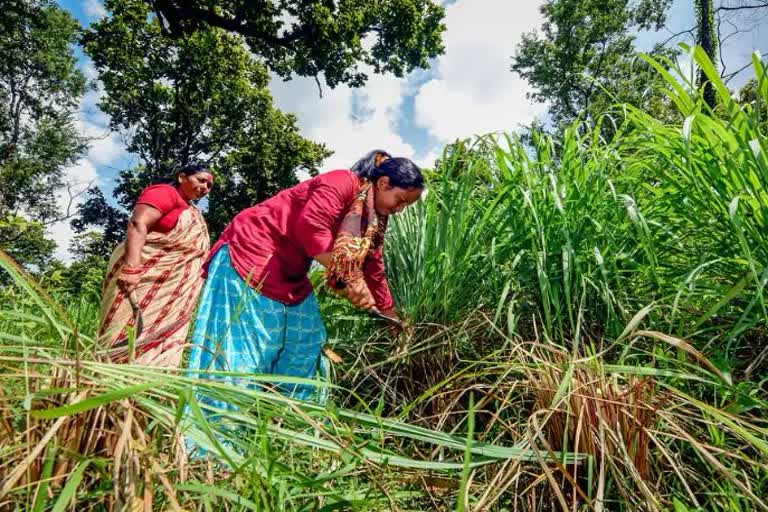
240, 330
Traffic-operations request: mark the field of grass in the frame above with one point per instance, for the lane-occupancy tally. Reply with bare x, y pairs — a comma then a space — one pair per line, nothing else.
589, 326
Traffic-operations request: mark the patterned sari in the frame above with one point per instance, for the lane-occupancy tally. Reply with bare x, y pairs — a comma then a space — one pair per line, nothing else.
166, 295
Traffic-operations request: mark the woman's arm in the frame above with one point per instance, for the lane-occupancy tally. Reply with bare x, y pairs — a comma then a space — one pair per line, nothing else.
323, 258
329, 201
356, 292
144, 217
376, 279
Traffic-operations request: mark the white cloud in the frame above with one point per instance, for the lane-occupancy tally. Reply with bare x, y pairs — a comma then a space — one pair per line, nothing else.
104, 146
351, 122
687, 69
104, 149
428, 160
474, 91
94, 9
88, 69
89, 109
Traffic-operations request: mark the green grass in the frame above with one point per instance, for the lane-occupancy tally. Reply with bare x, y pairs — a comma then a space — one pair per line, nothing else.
589, 318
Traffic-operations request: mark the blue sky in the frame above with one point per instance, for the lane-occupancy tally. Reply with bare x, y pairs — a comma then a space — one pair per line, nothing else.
467, 91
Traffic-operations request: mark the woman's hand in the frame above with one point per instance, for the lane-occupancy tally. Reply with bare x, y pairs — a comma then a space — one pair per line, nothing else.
399, 325
129, 279
359, 295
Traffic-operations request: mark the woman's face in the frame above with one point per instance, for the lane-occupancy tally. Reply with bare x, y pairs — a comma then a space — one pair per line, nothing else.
195, 186
389, 200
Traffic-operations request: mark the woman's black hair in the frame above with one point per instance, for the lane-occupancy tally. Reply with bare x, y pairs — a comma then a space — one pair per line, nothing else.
190, 169
170, 174
401, 172
366, 165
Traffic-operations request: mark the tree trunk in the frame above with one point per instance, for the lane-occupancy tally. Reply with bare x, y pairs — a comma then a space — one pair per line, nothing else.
707, 39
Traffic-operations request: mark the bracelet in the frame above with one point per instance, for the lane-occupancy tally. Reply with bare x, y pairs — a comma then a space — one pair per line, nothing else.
131, 270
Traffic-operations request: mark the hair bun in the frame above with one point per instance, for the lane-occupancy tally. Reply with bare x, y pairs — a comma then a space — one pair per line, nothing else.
380, 157
366, 165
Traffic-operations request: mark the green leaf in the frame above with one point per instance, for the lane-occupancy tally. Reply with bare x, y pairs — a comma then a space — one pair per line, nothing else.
93, 402
68, 493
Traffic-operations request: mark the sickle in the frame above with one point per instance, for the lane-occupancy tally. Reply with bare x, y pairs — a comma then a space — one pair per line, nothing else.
376, 312
139, 319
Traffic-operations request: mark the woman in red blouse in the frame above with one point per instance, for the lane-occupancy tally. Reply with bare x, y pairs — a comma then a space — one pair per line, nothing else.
258, 313
157, 269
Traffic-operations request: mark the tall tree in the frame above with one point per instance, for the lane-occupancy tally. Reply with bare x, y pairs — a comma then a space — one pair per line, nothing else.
318, 37
201, 97
26, 242
82, 277
96, 211
707, 39
583, 59
40, 90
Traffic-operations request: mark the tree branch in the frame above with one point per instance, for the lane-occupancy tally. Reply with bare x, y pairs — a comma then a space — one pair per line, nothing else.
596, 75
182, 18
67, 213
742, 7
728, 78
670, 38
72, 197
720, 42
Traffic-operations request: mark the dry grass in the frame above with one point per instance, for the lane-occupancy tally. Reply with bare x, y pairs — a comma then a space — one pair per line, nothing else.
46, 454
632, 430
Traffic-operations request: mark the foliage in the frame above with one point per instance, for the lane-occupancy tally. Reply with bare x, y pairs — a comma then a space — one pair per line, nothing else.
96, 211
588, 319
202, 97
583, 61
26, 242
444, 245
749, 95
83, 276
317, 38
100, 395
714, 171
580, 233
567, 428
40, 89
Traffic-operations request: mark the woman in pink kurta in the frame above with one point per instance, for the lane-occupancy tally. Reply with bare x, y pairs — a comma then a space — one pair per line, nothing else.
258, 313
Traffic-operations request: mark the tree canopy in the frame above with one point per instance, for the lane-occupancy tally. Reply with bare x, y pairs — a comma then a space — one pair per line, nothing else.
583, 58
201, 97
317, 37
40, 90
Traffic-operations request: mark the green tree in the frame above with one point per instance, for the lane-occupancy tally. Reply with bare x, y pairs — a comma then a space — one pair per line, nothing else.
318, 37
96, 211
583, 59
83, 276
40, 90
25, 241
202, 97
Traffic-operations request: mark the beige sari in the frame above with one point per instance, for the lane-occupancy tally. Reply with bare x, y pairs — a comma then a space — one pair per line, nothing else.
166, 295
